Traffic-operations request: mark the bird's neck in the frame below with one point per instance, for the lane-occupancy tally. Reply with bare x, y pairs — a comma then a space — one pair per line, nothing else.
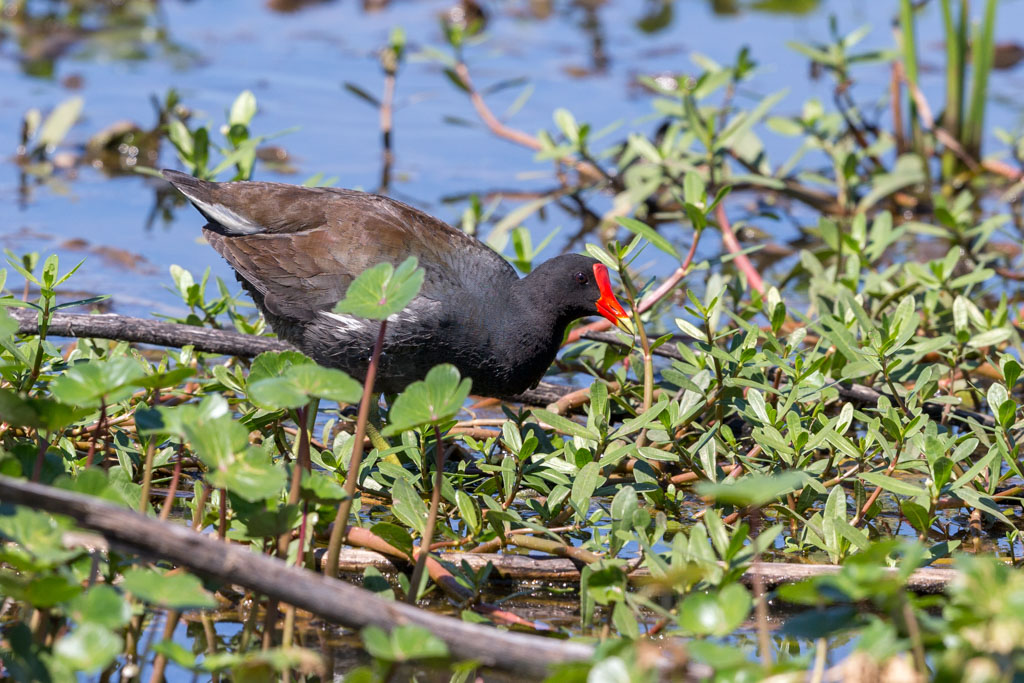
531, 331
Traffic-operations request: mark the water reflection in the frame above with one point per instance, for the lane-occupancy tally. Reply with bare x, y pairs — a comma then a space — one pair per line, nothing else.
43, 33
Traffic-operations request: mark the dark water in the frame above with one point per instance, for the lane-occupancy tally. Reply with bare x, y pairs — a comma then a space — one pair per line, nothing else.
581, 55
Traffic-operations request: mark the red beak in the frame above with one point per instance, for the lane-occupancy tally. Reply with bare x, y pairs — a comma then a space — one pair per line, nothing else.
608, 305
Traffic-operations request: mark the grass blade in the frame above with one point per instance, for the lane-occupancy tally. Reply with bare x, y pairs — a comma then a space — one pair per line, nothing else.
956, 62
908, 45
983, 53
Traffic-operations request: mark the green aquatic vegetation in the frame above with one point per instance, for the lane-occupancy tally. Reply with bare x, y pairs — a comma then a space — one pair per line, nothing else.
843, 406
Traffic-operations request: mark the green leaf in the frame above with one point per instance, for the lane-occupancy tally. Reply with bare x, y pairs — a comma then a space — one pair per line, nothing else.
649, 234
88, 648
101, 605
408, 506
40, 413
907, 171
382, 290
40, 534
435, 399
171, 591
320, 487
250, 474
990, 337
917, 515
468, 510
86, 383
416, 642
716, 614
395, 535
275, 363
405, 643
59, 122
753, 489
583, 487
47, 591
8, 325
243, 109
893, 485
564, 425
300, 383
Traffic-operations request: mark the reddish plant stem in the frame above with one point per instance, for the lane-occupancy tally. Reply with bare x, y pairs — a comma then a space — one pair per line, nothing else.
172, 490
386, 125
732, 245
37, 470
878, 489
338, 533
96, 433
222, 523
160, 662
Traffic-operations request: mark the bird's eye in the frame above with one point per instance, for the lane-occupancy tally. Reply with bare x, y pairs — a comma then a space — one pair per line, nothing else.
581, 278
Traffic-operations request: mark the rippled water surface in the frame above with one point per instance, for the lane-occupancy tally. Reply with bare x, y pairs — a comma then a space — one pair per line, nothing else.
296, 56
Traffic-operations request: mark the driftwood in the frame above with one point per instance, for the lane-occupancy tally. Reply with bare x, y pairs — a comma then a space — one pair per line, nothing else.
522, 568
333, 600
231, 343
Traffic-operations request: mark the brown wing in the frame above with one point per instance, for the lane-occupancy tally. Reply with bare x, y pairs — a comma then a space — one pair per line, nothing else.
301, 247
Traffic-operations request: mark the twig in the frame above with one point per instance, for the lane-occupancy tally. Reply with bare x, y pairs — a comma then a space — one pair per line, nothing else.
493, 124
356, 459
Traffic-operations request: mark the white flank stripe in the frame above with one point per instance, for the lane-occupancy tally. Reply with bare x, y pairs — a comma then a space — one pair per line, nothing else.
345, 322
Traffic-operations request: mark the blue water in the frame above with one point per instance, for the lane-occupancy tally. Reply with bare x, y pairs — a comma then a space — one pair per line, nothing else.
296, 64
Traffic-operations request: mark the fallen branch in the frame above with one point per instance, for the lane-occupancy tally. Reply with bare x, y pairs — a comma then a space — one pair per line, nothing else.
518, 568
149, 331
334, 600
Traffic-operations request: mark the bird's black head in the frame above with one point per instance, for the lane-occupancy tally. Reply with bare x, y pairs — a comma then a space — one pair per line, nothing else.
574, 286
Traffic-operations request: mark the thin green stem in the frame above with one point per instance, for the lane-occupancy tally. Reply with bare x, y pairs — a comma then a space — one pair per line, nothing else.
37, 362
428, 532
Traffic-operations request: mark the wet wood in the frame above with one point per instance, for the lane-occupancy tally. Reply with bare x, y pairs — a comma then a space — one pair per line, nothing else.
147, 331
333, 600
522, 568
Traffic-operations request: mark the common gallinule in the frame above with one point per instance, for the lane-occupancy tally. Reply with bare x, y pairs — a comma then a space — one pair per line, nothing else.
296, 249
